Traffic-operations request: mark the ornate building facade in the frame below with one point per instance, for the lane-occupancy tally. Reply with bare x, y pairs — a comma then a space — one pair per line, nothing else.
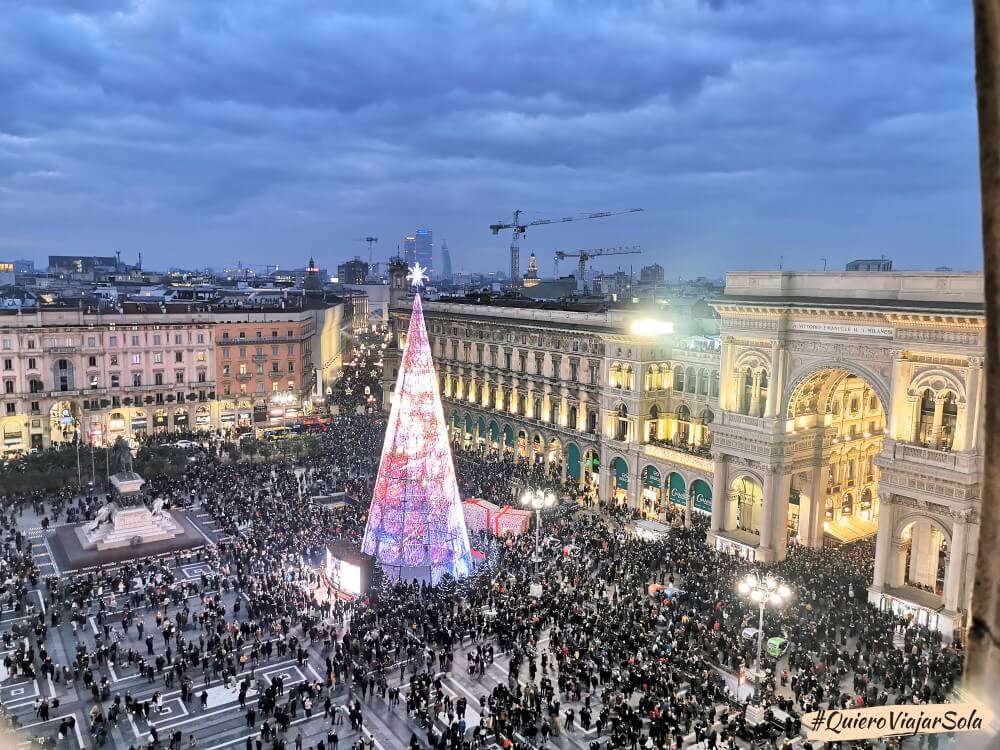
831, 407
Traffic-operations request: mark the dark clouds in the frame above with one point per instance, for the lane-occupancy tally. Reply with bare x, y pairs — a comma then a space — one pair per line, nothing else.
204, 131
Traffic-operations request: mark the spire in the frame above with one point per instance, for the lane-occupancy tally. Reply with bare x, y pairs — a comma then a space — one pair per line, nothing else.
416, 526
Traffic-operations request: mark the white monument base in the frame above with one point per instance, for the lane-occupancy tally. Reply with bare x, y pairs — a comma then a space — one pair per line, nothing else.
129, 527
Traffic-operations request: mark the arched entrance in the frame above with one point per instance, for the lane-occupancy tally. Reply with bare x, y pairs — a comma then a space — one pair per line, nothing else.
619, 481
591, 469
838, 498
702, 495
64, 422
554, 457
481, 431
573, 461
652, 491
677, 488
745, 504
508, 437
494, 434
522, 444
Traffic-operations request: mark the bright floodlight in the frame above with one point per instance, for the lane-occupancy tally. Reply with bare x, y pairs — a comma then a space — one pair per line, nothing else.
770, 583
526, 497
757, 595
752, 581
784, 592
776, 600
743, 588
651, 327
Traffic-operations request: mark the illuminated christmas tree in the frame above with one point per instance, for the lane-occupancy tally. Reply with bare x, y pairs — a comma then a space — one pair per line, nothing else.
416, 527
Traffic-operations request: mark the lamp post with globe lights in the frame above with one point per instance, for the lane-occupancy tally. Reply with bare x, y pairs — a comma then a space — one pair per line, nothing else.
762, 591
538, 500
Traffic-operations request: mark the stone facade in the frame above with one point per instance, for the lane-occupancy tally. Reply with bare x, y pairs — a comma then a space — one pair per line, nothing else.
835, 404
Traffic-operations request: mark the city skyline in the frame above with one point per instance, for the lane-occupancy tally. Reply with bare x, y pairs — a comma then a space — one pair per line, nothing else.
751, 133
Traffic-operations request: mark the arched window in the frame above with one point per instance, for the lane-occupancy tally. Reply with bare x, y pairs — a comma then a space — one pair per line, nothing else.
536, 409
621, 424
652, 428
925, 423
592, 422
572, 418
627, 378
703, 382
746, 399
683, 424
554, 412
715, 385
690, 380
762, 395
678, 378
847, 505
949, 417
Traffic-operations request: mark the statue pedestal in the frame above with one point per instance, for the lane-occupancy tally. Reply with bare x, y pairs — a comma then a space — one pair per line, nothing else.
129, 527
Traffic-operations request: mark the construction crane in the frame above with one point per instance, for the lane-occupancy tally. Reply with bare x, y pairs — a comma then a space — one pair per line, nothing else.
519, 229
371, 241
585, 255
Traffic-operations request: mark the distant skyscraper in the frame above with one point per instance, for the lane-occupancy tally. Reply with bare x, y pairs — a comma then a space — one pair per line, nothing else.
410, 250
424, 248
445, 261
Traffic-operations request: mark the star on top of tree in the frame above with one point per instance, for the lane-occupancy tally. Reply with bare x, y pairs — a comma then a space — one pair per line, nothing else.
417, 275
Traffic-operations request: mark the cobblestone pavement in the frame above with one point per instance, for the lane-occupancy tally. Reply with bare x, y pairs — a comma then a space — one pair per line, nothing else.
221, 722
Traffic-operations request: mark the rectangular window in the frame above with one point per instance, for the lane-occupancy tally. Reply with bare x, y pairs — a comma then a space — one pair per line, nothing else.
200, 356
201, 377
201, 338
243, 352
274, 350
91, 361
91, 341
32, 363
291, 366
291, 350
158, 378
274, 366
178, 356
114, 381
113, 341
31, 343
158, 358
136, 359
10, 408
8, 386
243, 334
290, 334
572, 371
274, 334
136, 379
93, 381
225, 335
179, 376
6, 343
135, 341
8, 364
178, 339
156, 339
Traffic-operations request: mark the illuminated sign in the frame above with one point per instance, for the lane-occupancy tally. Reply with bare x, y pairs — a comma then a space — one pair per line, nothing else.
651, 327
343, 575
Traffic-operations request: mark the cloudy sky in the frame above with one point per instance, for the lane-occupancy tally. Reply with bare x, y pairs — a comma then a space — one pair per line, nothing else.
205, 131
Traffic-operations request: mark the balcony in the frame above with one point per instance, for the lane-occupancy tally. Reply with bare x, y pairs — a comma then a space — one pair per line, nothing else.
259, 358
702, 462
929, 458
243, 376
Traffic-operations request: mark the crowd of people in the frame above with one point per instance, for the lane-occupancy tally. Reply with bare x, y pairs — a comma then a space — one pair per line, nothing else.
582, 640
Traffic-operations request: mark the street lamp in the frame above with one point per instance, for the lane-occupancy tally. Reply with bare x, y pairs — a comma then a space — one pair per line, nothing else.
761, 591
538, 499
